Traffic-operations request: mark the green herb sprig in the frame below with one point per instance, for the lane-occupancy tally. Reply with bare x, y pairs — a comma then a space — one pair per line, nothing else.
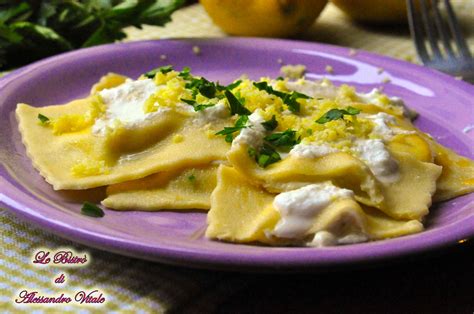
164, 69
290, 99
265, 156
32, 29
271, 124
229, 131
196, 106
92, 210
286, 139
236, 107
192, 178
336, 114
43, 119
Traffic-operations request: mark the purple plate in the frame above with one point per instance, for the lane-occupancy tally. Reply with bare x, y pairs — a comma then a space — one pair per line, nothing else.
445, 106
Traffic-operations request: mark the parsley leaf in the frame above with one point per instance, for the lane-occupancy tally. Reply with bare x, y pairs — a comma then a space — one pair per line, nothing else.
91, 210
292, 104
335, 114
190, 102
192, 178
202, 107
164, 69
267, 156
185, 73
285, 139
264, 86
271, 124
353, 111
236, 106
233, 85
288, 99
31, 29
230, 87
252, 152
196, 106
43, 119
207, 88
203, 86
239, 125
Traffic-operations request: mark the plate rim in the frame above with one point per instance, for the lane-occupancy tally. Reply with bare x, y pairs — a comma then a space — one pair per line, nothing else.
229, 262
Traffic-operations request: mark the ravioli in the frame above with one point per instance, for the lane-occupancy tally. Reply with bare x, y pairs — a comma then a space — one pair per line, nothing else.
290, 173
76, 158
242, 212
457, 177
277, 162
57, 160
188, 188
396, 199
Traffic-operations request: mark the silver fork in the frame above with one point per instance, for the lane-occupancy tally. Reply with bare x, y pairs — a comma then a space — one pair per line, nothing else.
441, 36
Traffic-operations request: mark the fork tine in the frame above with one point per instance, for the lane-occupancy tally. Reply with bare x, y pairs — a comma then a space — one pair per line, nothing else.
442, 28
417, 31
456, 30
430, 29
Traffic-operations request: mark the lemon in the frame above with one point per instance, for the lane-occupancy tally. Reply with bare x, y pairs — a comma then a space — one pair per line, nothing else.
374, 11
267, 18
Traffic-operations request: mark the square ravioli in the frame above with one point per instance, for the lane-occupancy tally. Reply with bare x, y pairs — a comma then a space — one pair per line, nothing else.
274, 161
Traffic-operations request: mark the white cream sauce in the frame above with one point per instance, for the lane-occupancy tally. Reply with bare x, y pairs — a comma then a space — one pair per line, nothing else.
254, 133
374, 154
299, 208
312, 150
373, 97
211, 114
125, 104
313, 89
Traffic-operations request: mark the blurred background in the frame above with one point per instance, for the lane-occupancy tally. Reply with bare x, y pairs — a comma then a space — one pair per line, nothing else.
34, 29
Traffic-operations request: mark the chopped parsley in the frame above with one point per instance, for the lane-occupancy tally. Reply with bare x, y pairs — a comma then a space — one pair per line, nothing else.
192, 178
196, 106
288, 99
264, 86
266, 155
190, 102
286, 139
233, 85
91, 210
43, 119
335, 114
203, 86
185, 73
164, 69
236, 107
229, 87
207, 88
252, 152
202, 107
271, 124
239, 125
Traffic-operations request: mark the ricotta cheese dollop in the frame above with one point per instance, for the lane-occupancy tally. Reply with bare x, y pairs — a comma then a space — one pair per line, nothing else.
213, 113
378, 159
253, 133
312, 150
312, 89
326, 238
298, 208
382, 128
125, 104
374, 97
